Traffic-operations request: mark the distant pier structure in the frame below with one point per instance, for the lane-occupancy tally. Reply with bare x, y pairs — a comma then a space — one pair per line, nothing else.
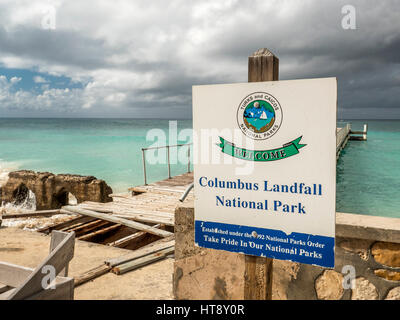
345, 134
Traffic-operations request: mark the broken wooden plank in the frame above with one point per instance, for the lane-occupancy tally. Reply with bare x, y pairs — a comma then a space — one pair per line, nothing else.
13, 275
65, 225
89, 227
91, 274
143, 261
58, 259
102, 210
56, 238
124, 222
135, 236
143, 218
85, 237
29, 214
151, 248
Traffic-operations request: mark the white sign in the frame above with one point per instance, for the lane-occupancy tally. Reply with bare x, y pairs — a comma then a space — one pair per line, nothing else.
265, 176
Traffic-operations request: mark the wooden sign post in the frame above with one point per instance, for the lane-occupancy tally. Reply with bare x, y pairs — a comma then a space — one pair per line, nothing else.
263, 66
271, 196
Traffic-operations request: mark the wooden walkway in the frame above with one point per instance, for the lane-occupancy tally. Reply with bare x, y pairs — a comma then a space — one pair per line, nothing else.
153, 203
345, 134
342, 136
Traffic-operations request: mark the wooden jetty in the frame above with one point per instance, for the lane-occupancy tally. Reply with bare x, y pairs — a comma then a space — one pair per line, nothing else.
343, 135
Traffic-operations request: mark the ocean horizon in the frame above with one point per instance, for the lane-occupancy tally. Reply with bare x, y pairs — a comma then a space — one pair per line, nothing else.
368, 172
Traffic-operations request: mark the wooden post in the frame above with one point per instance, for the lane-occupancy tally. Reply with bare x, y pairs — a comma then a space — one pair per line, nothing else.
56, 238
365, 130
263, 66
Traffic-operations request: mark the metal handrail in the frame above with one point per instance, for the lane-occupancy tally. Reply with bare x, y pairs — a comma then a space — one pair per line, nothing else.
168, 158
186, 192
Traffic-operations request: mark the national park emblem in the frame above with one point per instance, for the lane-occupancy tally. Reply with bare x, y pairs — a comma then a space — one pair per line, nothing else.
259, 115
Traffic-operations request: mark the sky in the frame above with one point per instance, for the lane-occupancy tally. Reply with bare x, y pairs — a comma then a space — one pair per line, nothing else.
134, 58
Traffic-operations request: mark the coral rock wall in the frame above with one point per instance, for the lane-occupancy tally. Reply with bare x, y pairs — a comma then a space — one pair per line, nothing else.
365, 268
52, 191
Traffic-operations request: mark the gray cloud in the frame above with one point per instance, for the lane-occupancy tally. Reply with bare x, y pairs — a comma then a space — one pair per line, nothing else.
131, 54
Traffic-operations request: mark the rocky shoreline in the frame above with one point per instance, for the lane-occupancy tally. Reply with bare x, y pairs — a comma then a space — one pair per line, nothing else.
28, 190
52, 191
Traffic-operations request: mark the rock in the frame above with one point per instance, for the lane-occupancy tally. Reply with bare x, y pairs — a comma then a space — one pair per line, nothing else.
359, 246
393, 294
52, 191
387, 253
213, 275
284, 273
364, 290
329, 285
388, 274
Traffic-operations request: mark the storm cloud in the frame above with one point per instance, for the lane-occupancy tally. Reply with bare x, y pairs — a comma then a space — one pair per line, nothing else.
141, 58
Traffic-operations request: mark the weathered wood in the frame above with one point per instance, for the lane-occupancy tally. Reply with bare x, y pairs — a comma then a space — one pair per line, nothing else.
152, 248
4, 288
58, 258
64, 286
64, 291
258, 278
141, 262
13, 275
88, 236
125, 222
132, 237
29, 214
102, 210
79, 223
65, 225
56, 238
91, 274
89, 227
145, 219
263, 66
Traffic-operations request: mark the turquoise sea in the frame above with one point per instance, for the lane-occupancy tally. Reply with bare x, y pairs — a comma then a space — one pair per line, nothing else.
368, 172
109, 149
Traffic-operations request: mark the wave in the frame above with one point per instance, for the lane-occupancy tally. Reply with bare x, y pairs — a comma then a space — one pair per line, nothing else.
29, 203
6, 167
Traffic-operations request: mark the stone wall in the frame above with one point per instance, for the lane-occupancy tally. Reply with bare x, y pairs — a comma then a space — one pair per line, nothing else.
201, 273
375, 264
51, 191
368, 246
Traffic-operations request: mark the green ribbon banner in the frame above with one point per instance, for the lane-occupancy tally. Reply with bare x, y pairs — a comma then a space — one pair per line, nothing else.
287, 150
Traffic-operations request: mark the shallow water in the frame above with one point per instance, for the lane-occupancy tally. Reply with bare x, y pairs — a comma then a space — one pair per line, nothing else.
108, 149
368, 172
